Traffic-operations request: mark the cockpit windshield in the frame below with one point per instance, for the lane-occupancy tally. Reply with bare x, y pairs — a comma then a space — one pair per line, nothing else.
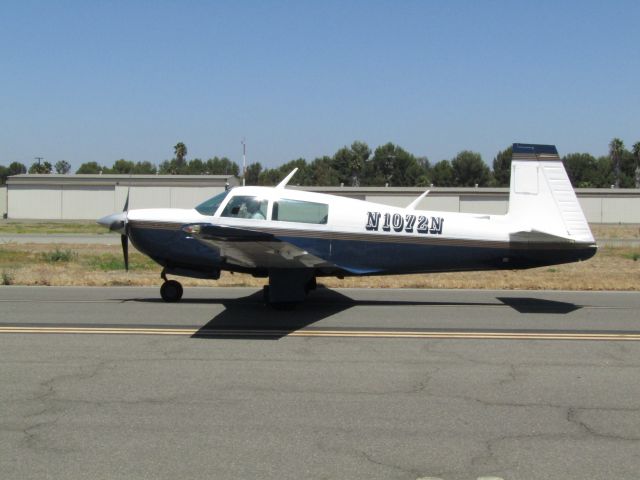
210, 206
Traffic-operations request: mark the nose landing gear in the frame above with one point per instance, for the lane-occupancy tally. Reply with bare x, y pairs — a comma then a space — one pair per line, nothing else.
171, 290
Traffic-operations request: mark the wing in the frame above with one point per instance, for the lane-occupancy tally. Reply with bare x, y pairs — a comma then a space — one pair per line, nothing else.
254, 249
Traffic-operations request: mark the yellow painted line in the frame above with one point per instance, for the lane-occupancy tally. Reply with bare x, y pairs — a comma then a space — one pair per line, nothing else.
324, 333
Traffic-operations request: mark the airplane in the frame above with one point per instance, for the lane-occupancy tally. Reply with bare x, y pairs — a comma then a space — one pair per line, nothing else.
292, 237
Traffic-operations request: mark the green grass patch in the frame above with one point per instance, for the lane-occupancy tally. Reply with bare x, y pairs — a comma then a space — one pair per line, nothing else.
108, 262
635, 256
13, 257
84, 228
59, 255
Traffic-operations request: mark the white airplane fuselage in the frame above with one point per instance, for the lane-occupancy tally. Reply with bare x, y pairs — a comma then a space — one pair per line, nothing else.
293, 236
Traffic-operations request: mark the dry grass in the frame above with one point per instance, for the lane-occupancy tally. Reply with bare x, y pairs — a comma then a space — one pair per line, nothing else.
615, 231
98, 265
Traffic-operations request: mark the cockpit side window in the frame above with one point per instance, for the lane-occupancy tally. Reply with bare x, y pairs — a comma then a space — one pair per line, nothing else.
243, 206
210, 206
286, 210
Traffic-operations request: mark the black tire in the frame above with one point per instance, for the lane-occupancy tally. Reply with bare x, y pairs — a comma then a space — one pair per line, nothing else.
265, 294
283, 306
171, 291
311, 285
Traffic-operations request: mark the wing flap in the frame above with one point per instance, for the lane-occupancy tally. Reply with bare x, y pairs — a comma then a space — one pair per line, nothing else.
254, 249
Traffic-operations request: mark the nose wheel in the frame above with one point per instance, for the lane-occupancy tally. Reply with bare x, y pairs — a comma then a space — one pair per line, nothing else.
170, 291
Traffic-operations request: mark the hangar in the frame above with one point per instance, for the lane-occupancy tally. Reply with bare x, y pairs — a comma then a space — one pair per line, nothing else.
87, 197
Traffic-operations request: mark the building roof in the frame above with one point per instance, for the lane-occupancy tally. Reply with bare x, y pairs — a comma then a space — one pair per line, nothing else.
81, 180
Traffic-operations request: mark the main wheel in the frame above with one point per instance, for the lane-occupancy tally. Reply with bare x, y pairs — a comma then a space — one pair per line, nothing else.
171, 291
311, 285
276, 305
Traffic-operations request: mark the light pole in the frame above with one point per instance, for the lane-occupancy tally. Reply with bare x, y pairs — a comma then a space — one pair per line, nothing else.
244, 160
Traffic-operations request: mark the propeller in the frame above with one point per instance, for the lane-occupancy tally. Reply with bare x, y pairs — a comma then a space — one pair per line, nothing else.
124, 237
119, 222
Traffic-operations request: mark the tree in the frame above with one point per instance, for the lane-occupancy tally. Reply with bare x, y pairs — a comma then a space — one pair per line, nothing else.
62, 167
616, 147
582, 170
627, 169
442, 174
636, 154
323, 173
180, 150
253, 173
16, 168
168, 167
90, 168
269, 177
604, 172
273, 176
302, 177
145, 167
122, 166
469, 170
392, 165
349, 163
502, 167
424, 178
4, 173
40, 167
222, 166
196, 167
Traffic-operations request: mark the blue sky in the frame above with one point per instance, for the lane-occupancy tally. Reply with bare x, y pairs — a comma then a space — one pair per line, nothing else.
99, 81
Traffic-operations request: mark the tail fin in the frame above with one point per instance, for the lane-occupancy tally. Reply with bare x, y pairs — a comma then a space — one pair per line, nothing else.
541, 195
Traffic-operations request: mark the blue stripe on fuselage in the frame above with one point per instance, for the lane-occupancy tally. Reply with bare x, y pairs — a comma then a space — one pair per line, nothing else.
363, 257
369, 257
174, 247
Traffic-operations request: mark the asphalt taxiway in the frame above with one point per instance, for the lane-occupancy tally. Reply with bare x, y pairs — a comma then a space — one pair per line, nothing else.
451, 384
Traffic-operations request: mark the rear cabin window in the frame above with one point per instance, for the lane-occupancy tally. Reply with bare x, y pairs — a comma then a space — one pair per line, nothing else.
246, 207
299, 211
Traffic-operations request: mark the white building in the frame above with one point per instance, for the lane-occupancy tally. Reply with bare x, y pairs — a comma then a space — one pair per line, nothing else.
87, 197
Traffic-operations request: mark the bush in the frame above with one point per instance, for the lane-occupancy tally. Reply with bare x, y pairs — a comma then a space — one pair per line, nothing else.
59, 255
7, 278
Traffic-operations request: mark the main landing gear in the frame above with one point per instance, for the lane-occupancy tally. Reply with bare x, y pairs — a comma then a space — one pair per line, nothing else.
288, 287
171, 290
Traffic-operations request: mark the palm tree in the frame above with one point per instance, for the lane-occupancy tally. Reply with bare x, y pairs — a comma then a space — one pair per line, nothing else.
616, 147
636, 154
181, 152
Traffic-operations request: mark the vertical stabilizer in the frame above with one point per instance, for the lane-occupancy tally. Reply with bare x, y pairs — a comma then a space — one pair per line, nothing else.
541, 195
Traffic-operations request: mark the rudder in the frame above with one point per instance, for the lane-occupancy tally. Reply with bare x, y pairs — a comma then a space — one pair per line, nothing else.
541, 194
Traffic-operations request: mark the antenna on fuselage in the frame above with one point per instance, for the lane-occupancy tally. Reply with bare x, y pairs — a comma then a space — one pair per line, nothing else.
284, 182
414, 204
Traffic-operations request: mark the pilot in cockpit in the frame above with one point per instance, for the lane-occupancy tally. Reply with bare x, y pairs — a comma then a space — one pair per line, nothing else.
253, 210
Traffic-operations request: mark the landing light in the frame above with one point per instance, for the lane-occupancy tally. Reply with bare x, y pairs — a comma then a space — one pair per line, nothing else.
191, 229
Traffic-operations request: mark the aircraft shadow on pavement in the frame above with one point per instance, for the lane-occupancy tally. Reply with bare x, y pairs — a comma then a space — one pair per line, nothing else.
249, 314
539, 305
249, 317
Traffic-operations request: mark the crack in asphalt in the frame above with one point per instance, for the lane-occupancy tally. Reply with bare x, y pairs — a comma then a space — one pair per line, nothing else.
32, 433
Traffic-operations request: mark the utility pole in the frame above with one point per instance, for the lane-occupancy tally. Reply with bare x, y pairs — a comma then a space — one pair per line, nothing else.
244, 160
39, 158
